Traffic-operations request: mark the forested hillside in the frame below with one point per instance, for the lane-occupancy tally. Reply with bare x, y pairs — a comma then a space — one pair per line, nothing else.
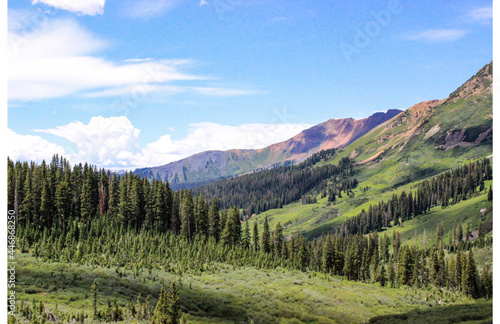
398, 221
131, 224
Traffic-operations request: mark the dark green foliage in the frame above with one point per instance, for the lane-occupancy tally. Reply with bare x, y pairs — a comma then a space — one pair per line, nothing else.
231, 234
273, 188
449, 187
168, 308
94, 289
265, 243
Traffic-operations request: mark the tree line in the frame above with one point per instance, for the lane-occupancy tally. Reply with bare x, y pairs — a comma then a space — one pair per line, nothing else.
445, 189
257, 192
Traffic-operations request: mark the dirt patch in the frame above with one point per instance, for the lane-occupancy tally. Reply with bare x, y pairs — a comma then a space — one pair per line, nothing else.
373, 157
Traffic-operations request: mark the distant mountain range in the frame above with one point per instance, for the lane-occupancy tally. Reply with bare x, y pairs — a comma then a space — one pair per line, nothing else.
212, 165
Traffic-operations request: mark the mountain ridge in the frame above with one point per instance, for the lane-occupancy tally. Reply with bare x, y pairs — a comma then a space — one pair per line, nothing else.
216, 164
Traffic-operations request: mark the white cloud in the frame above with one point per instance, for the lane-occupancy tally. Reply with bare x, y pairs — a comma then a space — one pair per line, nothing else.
437, 35
86, 7
113, 142
138, 90
213, 136
103, 141
57, 58
150, 8
30, 148
483, 15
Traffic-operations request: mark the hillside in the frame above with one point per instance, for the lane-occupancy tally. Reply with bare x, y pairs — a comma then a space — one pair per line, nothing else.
211, 165
429, 137
425, 140
124, 238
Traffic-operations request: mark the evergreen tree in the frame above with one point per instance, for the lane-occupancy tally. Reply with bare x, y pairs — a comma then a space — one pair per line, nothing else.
232, 231
255, 236
214, 224
245, 238
63, 202
469, 276
160, 315
202, 222
490, 194
278, 238
94, 289
265, 243
187, 216
439, 232
174, 305
328, 256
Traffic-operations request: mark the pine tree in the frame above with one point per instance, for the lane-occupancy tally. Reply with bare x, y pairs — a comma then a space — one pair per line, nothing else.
460, 234
381, 275
160, 315
327, 256
187, 216
245, 237
255, 236
487, 283
390, 272
469, 276
174, 305
202, 222
439, 233
94, 289
213, 220
231, 234
265, 243
278, 238
490, 194
63, 202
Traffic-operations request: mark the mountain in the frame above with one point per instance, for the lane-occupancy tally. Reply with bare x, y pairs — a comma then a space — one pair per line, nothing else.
431, 136
211, 165
428, 138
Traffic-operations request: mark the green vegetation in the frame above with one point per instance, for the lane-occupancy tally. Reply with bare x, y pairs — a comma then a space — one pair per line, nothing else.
403, 235
230, 295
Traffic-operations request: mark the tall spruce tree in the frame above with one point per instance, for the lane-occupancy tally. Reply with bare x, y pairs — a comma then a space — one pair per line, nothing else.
214, 220
265, 243
255, 236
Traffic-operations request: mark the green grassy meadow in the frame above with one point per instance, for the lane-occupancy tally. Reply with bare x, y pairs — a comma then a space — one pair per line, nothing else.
236, 295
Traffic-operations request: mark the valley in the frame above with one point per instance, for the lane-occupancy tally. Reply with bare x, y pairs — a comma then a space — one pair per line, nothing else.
390, 222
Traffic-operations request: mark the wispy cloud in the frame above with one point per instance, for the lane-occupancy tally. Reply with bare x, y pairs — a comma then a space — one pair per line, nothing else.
437, 35
482, 15
60, 58
136, 60
85, 7
143, 89
150, 8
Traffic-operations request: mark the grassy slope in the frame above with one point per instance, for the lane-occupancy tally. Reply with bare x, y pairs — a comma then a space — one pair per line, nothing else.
408, 142
235, 295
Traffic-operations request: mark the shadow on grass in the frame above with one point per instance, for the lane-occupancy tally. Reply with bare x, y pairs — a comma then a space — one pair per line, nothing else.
478, 313
43, 281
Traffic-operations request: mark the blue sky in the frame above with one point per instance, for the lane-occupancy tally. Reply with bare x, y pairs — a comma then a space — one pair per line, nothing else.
125, 84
